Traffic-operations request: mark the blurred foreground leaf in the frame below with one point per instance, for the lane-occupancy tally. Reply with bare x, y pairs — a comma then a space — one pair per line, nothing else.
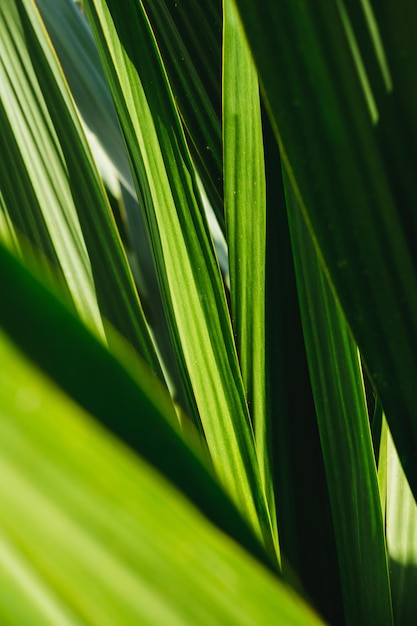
91, 534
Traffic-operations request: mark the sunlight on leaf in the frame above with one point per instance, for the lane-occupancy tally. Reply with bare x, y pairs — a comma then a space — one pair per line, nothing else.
89, 533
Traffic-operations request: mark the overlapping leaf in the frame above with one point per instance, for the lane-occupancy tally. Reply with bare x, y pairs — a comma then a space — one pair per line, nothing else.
245, 212
90, 534
192, 57
51, 193
346, 129
401, 524
77, 53
345, 436
190, 280
301, 495
122, 393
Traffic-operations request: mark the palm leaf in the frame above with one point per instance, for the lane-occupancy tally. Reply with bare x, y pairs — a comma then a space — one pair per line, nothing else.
245, 211
104, 385
401, 523
193, 63
50, 173
77, 53
345, 436
309, 547
128, 499
192, 289
89, 533
339, 136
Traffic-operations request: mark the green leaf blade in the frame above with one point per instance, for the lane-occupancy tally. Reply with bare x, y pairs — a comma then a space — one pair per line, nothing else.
245, 212
192, 288
194, 76
97, 536
67, 216
122, 393
401, 524
338, 155
345, 437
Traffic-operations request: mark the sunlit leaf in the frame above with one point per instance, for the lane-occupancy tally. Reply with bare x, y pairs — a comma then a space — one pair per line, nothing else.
245, 212
401, 523
90, 534
190, 280
51, 192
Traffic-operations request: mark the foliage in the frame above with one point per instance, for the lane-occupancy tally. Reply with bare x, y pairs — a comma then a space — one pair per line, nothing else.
208, 330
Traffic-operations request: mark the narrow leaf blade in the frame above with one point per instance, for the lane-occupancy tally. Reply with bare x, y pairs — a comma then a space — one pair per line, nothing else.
192, 288
345, 436
245, 212
50, 172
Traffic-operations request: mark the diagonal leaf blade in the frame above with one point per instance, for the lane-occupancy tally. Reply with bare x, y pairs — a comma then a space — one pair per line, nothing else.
192, 59
245, 212
190, 279
339, 135
345, 436
49, 171
309, 547
401, 525
90, 534
77, 53
122, 393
